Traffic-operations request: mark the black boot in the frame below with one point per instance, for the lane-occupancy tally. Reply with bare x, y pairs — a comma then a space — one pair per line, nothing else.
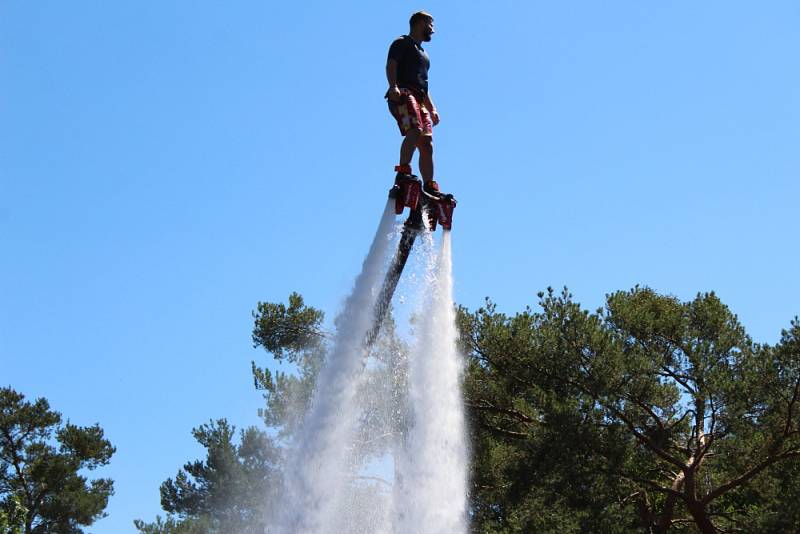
431, 188
403, 173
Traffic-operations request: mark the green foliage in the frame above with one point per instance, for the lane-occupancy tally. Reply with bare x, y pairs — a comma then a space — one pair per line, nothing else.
12, 516
230, 489
292, 334
649, 415
227, 491
42, 488
174, 525
287, 331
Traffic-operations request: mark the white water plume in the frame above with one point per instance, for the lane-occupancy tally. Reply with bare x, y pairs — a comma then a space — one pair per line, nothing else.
316, 467
432, 470
382, 449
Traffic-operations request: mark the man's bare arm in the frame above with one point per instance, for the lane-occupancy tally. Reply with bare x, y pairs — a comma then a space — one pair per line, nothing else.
391, 76
432, 108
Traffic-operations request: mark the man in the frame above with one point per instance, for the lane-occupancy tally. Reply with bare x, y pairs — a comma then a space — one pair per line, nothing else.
409, 100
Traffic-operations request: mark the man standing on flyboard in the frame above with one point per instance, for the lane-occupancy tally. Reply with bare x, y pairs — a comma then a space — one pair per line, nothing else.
410, 102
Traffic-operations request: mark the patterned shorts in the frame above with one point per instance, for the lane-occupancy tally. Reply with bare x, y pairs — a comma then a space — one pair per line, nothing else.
410, 112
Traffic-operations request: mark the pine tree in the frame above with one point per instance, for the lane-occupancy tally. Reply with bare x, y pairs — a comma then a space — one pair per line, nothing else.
42, 486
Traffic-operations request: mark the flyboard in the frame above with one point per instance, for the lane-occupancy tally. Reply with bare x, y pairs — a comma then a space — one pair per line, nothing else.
437, 208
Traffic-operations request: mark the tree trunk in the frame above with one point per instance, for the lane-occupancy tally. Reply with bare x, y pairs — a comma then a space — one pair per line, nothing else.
645, 510
665, 520
701, 518
696, 508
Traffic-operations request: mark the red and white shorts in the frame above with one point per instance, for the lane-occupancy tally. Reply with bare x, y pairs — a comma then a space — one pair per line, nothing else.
411, 112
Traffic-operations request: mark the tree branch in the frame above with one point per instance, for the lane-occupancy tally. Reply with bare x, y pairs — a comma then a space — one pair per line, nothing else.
648, 482
485, 357
787, 429
504, 432
486, 406
747, 475
683, 380
632, 428
650, 412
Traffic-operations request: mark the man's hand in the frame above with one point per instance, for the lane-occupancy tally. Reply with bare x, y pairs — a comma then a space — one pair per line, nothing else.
393, 94
434, 116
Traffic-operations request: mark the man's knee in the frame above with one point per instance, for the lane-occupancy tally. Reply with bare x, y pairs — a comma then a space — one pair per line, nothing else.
414, 134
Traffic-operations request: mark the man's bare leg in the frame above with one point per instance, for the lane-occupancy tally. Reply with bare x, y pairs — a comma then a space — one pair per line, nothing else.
425, 145
410, 142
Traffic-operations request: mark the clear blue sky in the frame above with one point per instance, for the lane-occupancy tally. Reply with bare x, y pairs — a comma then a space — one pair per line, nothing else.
166, 165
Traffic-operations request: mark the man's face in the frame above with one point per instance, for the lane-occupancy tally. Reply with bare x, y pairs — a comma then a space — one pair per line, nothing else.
427, 30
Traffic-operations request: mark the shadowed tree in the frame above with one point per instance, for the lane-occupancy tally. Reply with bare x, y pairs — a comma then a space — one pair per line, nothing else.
12, 516
295, 337
226, 492
232, 489
649, 415
174, 525
42, 488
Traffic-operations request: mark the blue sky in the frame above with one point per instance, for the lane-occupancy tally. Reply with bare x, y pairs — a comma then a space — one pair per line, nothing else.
166, 165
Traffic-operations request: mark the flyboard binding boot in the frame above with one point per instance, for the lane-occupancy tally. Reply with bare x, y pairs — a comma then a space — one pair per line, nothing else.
408, 191
438, 206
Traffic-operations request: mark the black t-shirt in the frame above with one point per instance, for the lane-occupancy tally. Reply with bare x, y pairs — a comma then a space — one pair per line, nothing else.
412, 63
